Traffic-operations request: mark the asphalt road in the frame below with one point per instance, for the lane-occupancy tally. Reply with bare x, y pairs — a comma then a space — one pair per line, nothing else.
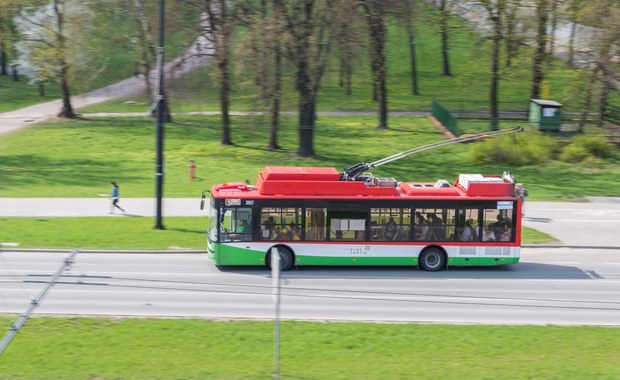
550, 286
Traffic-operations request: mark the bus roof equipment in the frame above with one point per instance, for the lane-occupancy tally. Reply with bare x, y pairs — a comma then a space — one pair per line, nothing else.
355, 172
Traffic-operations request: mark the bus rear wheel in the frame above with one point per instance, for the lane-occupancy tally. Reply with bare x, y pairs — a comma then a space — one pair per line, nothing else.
432, 259
286, 258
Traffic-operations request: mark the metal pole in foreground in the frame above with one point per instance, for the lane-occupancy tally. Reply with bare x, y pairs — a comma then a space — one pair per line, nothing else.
36, 302
159, 165
275, 278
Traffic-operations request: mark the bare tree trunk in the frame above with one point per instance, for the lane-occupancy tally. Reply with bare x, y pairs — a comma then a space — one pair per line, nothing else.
574, 9
67, 109
411, 39
3, 59
14, 52
542, 14
587, 101
443, 26
224, 100
512, 43
554, 27
306, 119
375, 14
603, 100
495, 76
277, 86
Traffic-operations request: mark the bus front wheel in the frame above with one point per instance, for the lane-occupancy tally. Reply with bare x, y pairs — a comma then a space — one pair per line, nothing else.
286, 258
432, 259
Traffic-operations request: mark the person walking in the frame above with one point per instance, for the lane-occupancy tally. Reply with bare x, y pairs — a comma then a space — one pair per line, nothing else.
114, 197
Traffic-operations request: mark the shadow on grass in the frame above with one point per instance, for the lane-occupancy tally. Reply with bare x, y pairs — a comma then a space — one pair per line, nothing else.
185, 230
29, 169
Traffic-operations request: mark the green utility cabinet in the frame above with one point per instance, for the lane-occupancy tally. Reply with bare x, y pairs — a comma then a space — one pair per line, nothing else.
545, 114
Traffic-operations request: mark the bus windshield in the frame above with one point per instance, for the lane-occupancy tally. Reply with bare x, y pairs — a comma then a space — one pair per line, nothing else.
212, 227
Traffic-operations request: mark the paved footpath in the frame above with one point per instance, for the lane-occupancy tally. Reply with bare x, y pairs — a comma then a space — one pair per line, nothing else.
594, 223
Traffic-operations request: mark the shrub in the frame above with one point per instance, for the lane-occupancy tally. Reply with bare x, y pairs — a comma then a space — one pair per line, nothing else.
583, 147
574, 153
531, 147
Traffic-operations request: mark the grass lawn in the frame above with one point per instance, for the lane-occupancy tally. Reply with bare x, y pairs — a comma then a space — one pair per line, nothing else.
79, 158
20, 94
105, 233
103, 348
129, 233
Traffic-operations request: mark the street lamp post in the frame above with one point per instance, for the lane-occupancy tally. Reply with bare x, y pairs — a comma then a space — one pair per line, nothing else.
159, 145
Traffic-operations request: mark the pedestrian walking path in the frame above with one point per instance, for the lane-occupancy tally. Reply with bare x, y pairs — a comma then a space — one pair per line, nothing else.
592, 223
82, 207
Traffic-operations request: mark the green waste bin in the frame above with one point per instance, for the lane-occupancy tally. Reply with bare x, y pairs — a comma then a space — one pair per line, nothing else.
545, 114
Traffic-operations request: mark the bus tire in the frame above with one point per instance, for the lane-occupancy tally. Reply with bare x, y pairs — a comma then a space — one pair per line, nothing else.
432, 259
287, 259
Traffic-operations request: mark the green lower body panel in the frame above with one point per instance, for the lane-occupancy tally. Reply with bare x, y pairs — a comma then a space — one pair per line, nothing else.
481, 261
230, 255
252, 254
317, 260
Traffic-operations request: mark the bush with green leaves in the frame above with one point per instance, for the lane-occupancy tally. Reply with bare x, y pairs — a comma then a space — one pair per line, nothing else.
530, 147
586, 147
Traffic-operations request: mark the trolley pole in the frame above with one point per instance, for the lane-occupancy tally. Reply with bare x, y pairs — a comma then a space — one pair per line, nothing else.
275, 277
159, 145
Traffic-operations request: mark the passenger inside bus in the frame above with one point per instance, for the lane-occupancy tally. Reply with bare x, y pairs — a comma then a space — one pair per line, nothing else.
390, 229
269, 228
241, 226
421, 230
293, 232
467, 234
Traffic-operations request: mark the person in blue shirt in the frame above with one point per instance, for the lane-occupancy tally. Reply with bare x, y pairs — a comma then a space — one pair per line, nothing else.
114, 196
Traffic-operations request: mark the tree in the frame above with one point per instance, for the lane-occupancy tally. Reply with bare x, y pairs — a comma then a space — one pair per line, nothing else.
375, 15
604, 56
444, 14
264, 45
348, 42
9, 37
145, 44
574, 8
540, 51
308, 24
495, 10
408, 15
606, 14
52, 41
216, 26
511, 36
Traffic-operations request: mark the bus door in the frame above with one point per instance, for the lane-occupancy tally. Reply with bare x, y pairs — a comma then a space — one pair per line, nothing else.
347, 221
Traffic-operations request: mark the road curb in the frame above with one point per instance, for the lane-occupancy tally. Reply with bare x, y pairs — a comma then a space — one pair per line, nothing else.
195, 251
134, 251
568, 246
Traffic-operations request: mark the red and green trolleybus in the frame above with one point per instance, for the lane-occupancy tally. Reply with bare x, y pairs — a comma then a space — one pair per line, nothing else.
314, 217
319, 216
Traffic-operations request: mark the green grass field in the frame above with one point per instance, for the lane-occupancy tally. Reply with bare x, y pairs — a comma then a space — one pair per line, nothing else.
20, 94
103, 348
122, 232
79, 158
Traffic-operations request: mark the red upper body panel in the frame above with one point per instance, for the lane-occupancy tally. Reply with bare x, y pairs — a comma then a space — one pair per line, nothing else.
322, 182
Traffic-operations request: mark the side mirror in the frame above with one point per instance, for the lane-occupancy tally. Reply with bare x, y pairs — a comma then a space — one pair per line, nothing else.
202, 199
